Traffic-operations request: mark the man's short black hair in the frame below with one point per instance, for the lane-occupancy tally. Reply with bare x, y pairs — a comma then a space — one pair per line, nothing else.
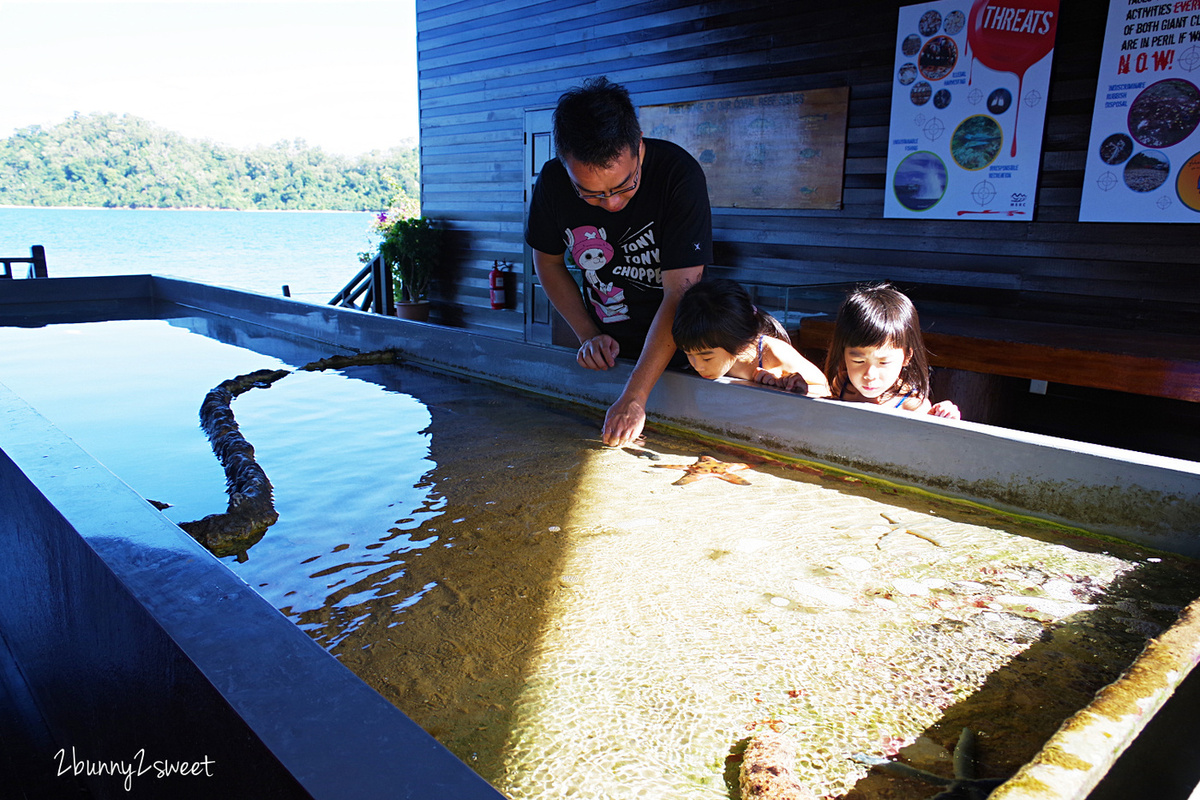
596, 123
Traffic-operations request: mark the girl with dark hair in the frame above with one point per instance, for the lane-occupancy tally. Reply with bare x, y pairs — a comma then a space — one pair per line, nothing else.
878, 354
723, 334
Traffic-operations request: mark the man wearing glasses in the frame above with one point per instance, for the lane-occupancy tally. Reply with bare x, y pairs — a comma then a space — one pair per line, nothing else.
634, 215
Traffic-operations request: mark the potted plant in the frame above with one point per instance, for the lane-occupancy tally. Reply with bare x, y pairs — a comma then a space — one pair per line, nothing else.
411, 247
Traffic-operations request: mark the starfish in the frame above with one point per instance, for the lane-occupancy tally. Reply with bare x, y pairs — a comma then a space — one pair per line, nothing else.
707, 466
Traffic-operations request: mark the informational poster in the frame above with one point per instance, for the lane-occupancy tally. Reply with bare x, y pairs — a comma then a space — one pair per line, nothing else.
1143, 160
968, 108
783, 150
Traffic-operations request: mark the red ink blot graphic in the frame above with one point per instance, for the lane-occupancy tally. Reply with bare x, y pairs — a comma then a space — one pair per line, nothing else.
1012, 38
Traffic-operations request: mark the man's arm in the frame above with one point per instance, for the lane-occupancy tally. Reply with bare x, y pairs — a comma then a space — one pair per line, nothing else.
596, 350
627, 416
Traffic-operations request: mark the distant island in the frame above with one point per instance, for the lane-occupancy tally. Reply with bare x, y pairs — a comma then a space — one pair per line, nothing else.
122, 161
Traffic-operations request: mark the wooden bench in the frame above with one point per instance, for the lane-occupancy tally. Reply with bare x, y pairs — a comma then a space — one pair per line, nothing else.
1158, 365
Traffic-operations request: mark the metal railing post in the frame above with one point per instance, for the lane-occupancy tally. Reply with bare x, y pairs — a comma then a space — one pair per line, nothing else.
376, 298
37, 266
389, 300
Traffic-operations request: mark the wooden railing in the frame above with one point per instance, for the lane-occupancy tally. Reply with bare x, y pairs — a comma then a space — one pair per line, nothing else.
374, 285
36, 262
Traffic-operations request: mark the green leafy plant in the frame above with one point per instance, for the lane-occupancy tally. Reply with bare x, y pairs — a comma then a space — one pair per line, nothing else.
412, 247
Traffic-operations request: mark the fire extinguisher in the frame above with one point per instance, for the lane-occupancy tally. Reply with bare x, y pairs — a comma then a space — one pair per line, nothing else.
496, 286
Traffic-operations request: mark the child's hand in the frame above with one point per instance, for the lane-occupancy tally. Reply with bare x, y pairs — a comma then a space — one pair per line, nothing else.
769, 377
791, 382
945, 409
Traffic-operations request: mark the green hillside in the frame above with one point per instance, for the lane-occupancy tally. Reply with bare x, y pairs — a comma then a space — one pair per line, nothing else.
121, 161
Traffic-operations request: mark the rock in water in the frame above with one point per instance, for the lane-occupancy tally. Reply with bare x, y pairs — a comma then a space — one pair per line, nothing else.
251, 507
767, 769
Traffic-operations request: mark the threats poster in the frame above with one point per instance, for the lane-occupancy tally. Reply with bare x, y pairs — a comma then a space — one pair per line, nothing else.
1143, 160
968, 108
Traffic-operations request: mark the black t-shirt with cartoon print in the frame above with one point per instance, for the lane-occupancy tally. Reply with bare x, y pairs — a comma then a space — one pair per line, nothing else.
666, 225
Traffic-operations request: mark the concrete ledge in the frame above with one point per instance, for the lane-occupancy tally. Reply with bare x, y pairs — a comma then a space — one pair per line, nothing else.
40, 301
130, 637
1147, 499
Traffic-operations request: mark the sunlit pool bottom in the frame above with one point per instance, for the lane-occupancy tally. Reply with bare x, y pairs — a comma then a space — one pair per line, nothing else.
570, 621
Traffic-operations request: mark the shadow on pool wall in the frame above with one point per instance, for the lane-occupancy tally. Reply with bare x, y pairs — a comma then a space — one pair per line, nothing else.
1148, 500
93, 656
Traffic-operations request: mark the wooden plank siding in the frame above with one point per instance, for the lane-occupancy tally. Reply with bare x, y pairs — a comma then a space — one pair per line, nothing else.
483, 63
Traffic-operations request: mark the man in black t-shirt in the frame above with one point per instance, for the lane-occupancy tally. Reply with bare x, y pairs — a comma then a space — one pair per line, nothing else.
634, 216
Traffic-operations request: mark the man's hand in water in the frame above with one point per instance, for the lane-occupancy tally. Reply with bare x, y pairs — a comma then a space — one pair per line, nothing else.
598, 352
624, 422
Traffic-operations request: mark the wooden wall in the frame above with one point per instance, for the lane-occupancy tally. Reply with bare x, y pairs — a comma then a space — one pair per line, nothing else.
483, 62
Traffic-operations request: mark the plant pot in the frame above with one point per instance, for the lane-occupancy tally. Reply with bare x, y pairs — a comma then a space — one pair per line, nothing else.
417, 311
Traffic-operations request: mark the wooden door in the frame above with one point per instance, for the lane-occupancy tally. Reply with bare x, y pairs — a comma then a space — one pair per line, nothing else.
542, 323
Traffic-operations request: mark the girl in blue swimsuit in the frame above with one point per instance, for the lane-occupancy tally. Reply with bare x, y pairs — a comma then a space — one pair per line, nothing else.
724, 335
878, 354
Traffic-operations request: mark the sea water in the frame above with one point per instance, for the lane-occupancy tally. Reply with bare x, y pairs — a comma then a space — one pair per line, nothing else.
570, 619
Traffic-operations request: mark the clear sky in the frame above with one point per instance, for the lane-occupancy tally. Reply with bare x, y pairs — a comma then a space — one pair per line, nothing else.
341, 75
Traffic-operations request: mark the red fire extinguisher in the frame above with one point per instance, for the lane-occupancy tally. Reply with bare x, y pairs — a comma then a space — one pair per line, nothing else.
496, 284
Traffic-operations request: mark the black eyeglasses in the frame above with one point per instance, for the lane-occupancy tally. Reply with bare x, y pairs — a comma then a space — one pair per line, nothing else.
635, 177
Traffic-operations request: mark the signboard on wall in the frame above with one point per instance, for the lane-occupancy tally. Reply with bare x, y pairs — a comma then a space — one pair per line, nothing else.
762, 151
1143, 159
968, 108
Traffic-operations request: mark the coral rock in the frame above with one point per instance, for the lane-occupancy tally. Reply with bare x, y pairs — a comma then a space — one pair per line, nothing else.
767, 769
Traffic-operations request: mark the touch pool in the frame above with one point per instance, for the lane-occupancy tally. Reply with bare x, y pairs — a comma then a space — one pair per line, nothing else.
572, 623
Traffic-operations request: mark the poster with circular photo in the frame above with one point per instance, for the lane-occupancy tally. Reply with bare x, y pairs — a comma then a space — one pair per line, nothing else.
965, 127
1187, 183
907, 73
1145, 128
930, 22
1147, 171
976, 142
1116, 148
999, 101
1164, 113
938, 57
954, 23
920, 181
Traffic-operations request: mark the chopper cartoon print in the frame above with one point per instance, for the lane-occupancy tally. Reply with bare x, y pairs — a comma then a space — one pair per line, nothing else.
591, 251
